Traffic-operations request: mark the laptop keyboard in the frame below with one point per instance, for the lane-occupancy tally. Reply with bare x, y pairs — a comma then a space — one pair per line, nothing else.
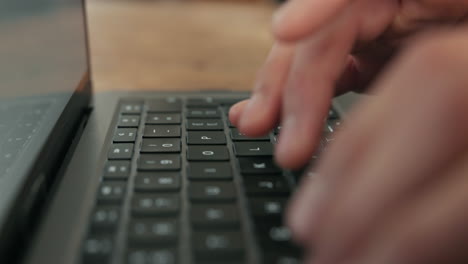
183, 185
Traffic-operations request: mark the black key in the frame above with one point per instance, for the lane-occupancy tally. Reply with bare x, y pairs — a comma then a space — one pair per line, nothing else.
332, 114
218, 245
161, 182
129, 121
162, 131
203, 113
206, 102
160, 145
120, 151
97, 250
163, 119
212, 191
335, 124
152, 256
206, 138
131, 108
111, 192
238, 136
153, 231
253, 148
210, 153
277, 130
267, 207
105, 219
155, 205
123, 135
276, 238
159, 162
117, 170
205, 124
258, 166
209, 171
214, 216
266, 185
164, 105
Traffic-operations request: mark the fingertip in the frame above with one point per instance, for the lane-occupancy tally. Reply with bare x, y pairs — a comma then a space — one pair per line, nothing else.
236, 111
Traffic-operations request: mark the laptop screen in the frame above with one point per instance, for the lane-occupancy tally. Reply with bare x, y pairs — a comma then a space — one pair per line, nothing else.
42, 63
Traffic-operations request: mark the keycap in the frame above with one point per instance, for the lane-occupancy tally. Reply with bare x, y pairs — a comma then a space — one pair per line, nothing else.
160, 145
253, 148
209, 171
111, 192
153, 231
214, 216
163, 119
160, 182
332, 114
131, 108
123, 135
204, 124
218, 246
206, 138
152, 256
212, 191
105, 219
267, 207
164, 105
238, 136
258, 166
266, 185
155, 205
129, 121
161, 131
335, 124
120, 151
117, 170
203, 113
206, 102
97, 249
158, 162
276, 238
277, 130
207, 153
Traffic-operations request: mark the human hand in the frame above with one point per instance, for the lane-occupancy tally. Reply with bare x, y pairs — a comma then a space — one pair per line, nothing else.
326, 47
393, 187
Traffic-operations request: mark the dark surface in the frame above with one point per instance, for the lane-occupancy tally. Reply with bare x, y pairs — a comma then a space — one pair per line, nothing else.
63, 231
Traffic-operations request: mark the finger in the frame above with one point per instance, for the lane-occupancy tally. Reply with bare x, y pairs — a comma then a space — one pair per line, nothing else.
430, 229
262, 112
300, 18
347, 213
318, 63
235, 112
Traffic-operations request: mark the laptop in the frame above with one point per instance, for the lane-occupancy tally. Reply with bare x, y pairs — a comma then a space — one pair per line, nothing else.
126, 177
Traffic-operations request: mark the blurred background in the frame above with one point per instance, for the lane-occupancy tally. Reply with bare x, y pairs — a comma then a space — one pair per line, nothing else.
178, 44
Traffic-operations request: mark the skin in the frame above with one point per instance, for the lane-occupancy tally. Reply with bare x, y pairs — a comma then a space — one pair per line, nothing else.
393, 186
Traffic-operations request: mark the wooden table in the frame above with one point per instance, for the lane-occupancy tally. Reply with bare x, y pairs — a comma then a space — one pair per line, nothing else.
177, 45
